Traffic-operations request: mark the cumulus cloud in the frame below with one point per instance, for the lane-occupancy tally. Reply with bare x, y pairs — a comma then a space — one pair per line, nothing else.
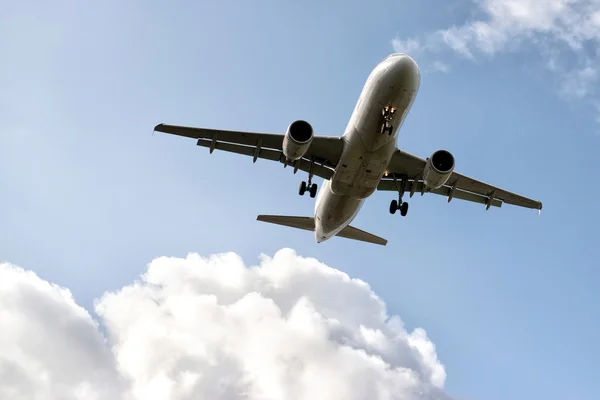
565, 32
415, 47
440, 66
50, 348
411, 46
194, 327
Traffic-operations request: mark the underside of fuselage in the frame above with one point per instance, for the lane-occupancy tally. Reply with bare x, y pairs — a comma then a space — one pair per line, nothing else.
369, 142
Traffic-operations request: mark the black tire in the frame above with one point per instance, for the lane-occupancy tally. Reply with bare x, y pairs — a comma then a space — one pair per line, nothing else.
313, 190
302, 188
404, 209
393, 206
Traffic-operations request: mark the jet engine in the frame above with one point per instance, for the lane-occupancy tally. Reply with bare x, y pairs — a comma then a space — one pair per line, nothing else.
438, 169
297, 140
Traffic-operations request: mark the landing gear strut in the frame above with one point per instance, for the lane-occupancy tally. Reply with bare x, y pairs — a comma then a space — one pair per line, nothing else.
311, 187
388, 114
399, 204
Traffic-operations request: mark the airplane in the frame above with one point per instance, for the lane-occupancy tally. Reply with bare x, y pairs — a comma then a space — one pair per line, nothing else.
364, 159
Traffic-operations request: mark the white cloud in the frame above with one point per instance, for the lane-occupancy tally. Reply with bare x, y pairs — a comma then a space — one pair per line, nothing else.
50, 348
565, 32
291, 328
506, 23
416, 47
440, 66
580, 82
409, 46
597, 114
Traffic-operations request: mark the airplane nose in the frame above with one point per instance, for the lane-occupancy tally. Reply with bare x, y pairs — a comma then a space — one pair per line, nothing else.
409, 62
405, 66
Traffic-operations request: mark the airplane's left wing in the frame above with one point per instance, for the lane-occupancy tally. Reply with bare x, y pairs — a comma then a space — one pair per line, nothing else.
458, 185
324, 150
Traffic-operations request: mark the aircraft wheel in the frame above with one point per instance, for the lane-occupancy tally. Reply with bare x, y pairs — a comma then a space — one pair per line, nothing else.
404, 209
393, 206
302, 189
313, 190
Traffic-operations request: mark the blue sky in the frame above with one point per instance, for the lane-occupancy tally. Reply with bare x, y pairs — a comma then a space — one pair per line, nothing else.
90, 196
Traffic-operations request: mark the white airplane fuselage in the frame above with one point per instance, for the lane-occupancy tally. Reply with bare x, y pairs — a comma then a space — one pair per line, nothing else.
393, 83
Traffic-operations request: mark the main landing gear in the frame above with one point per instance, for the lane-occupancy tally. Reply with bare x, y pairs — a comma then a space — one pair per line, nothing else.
403, 207
311, 187
399, 204
388, 114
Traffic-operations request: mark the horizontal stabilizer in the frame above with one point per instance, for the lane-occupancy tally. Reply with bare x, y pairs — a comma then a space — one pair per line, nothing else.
351, 232
308, 224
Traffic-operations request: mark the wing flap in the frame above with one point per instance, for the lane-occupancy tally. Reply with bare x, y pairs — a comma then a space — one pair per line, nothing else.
266, 154
473, 185
390, 185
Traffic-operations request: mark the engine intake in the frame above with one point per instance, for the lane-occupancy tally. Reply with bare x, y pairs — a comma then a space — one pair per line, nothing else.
438, 169
297, 140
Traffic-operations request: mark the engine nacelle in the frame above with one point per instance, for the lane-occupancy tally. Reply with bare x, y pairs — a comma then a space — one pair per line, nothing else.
297, 140
438, 169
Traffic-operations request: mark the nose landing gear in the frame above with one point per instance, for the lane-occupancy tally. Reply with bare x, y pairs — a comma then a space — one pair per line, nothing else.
388, 114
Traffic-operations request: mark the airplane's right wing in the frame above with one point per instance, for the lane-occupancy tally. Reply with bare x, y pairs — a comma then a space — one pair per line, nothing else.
458, 186
324, 150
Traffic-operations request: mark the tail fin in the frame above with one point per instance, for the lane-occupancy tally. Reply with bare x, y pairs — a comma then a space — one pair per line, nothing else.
308, 224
